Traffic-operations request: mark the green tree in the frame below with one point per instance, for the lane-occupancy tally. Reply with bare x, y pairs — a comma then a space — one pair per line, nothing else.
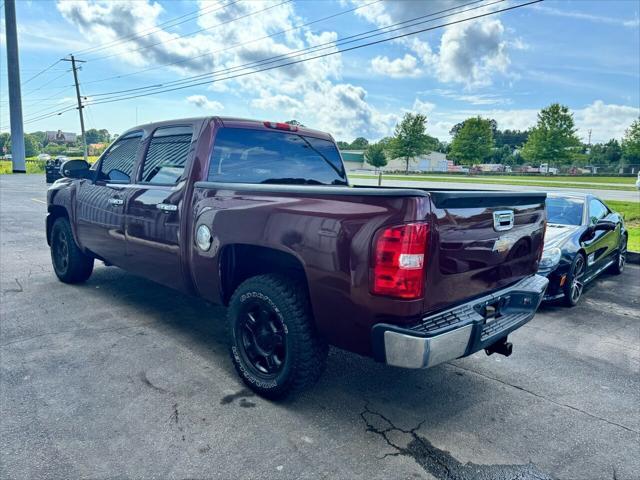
5, 143
473, 142
608, 154
410, 139
375, 155
631, 144
553, 140
31, 146
97, 136
359, 143
342, 145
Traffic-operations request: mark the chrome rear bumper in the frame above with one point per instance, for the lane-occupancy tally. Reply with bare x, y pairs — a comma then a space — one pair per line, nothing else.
461, 330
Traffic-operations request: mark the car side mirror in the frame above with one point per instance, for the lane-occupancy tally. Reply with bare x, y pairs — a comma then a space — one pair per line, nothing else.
604, 225
75, 169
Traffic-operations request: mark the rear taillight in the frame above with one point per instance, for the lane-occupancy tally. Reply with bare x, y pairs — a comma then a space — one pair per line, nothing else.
399, 261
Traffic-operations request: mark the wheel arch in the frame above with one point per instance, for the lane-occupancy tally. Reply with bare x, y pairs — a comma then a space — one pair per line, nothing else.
55, 212
239, 262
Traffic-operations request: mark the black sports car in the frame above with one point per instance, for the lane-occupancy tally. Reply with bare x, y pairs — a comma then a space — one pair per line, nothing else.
584, 238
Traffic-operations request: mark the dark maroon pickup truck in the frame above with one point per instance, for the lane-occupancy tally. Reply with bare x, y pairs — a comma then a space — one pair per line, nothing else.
260, 217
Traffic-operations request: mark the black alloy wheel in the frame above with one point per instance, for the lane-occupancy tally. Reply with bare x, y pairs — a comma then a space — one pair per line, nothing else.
574, 286
70, 263
263, 336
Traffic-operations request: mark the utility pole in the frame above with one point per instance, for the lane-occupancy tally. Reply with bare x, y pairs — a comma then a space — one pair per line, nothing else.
80, 107
15, 97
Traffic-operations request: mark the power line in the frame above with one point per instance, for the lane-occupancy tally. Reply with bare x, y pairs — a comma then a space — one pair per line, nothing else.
375, 42
157, 28
41, 72
236, 45
191, 33
316, 48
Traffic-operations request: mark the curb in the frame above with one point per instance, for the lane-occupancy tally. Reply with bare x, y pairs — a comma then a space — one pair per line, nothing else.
633, 257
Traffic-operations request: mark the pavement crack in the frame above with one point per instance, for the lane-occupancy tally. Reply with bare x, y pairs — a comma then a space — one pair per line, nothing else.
440, 463
147, 382
63, 332
15, 290
550, 400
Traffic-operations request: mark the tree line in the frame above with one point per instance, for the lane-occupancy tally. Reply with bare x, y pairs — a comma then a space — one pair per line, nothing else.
476, 140
37, 142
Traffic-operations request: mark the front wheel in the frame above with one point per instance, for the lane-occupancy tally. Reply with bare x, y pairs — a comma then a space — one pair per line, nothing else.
621, 257
574, 286
70, 264
274, 344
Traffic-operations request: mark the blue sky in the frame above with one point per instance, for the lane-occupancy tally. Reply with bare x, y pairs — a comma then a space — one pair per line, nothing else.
585, 54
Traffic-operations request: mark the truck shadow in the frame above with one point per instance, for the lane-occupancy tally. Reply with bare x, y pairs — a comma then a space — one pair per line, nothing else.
355, 392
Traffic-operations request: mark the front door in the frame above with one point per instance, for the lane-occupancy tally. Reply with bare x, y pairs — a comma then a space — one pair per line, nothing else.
602, 243
155, 208
100, 205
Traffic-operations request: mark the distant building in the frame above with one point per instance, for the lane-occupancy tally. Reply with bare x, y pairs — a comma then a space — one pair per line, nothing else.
354, 160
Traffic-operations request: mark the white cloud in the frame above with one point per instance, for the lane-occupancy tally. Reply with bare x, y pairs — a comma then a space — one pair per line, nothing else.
201, 101
469, 53
605, 121
473, 99
406, 66
620, 22
420, 106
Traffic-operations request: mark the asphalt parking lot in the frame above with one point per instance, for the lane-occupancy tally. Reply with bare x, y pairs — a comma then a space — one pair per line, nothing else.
123, 378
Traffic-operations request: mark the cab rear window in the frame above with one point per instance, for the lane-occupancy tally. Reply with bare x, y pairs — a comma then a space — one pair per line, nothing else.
253, 156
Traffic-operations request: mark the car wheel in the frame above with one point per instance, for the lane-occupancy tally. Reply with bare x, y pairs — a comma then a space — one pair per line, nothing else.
274, 344
70, 264
574, 286
621, 257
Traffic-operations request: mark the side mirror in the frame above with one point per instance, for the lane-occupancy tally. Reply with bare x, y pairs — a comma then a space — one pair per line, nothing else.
75, 169
604, 225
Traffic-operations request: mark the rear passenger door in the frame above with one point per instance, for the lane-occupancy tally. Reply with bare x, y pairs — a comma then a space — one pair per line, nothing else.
155, 207
100, 204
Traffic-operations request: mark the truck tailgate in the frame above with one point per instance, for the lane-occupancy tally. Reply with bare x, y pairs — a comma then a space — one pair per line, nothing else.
481, 241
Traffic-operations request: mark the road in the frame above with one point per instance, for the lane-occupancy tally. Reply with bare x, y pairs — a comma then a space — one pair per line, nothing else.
123, 378
627, 196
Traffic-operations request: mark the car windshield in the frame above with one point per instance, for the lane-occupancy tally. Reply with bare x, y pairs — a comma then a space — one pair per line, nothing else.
564, 211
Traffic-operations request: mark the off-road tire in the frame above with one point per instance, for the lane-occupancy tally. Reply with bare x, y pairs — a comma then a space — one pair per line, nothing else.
70, 264
570, 299
305, 351
620, 258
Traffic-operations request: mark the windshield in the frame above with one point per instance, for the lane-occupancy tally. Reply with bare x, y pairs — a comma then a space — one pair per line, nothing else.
564, 211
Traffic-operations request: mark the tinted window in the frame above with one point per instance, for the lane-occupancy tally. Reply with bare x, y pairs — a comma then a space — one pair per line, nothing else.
167, 155
254, 156
597, 211
117, 163
564, 211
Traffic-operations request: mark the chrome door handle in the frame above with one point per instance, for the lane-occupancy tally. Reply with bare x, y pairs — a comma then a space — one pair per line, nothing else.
116, 201
167, 207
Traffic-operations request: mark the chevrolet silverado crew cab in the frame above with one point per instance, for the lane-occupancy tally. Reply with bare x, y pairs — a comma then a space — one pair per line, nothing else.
260, 217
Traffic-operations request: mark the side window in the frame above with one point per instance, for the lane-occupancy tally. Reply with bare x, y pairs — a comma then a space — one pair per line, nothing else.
117, 164
597, 211
167, 155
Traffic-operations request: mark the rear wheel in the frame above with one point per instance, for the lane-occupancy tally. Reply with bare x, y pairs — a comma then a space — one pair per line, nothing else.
574, 286
274, 345
621, 257
70, 264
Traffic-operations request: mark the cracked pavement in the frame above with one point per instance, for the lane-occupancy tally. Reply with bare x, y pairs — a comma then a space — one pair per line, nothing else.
121, 377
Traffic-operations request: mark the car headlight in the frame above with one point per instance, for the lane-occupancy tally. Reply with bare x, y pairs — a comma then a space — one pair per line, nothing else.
550, 258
